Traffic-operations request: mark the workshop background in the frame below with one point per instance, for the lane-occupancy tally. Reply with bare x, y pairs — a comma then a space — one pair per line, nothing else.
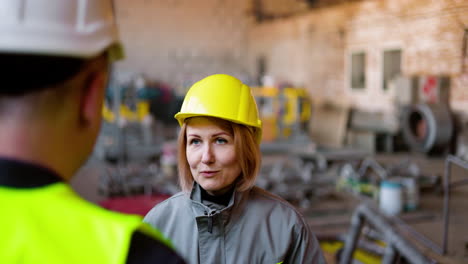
364, 105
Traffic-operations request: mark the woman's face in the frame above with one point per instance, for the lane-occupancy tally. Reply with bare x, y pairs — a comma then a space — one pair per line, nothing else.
211, 155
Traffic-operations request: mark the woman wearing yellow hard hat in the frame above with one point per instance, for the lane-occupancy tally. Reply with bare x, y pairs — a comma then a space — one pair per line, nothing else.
220, 216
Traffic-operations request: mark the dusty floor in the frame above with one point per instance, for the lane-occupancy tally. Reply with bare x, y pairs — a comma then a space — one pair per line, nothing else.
329, 215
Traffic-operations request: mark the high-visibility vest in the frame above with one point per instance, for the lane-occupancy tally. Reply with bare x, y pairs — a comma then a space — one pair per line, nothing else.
52, 224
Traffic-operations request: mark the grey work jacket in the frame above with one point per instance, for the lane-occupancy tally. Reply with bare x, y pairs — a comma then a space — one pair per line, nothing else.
255, 227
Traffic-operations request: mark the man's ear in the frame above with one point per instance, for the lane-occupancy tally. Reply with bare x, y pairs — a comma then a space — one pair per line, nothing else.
92, 97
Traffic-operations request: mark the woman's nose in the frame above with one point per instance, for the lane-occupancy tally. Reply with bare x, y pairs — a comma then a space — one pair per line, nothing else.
207, 156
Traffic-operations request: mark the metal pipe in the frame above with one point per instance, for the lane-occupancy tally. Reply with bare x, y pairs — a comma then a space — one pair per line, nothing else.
371, 163
420, 237
447, 187
357, 222
365, 212
390, 255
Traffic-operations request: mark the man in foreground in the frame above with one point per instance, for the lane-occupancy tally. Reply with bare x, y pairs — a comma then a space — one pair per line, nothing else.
54, 59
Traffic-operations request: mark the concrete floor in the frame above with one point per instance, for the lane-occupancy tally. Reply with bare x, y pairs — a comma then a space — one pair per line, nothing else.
329, 215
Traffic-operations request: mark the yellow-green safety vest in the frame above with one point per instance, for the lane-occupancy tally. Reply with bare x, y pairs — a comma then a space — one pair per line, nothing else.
52, 224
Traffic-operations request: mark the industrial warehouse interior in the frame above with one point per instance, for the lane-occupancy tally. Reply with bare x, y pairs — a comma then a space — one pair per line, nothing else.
363, 103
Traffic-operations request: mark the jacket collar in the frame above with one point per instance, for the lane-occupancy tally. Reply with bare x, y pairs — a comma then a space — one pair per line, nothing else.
20, 174
236, 200
196, 195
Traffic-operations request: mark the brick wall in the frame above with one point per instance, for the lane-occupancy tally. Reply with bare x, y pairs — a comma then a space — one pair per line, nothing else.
314, 49
307, 51
181, 41
279, 8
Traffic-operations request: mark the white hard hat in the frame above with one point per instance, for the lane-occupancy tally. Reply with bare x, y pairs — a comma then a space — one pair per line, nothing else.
75, 28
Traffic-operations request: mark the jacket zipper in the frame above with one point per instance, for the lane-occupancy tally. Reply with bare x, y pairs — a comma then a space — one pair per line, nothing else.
210, 221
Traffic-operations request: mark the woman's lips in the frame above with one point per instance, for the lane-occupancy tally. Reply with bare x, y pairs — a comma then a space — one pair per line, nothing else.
208, 173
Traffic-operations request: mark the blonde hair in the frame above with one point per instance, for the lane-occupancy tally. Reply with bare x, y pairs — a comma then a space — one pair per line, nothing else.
247, 151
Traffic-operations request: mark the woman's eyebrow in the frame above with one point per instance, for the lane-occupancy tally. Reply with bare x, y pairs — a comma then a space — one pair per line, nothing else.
214, 135
221, 133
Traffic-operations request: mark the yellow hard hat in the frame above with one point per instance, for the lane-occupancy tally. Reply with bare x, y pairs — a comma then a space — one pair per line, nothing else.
221, 96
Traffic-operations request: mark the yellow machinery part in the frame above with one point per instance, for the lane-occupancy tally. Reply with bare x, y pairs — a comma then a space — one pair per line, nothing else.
360, 255
289, 106
142, 110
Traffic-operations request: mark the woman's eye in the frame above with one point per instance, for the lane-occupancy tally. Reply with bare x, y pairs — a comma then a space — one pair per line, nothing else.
221, 141
194, 141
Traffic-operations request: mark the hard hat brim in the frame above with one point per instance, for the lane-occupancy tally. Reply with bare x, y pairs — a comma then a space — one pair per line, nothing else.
181, 117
